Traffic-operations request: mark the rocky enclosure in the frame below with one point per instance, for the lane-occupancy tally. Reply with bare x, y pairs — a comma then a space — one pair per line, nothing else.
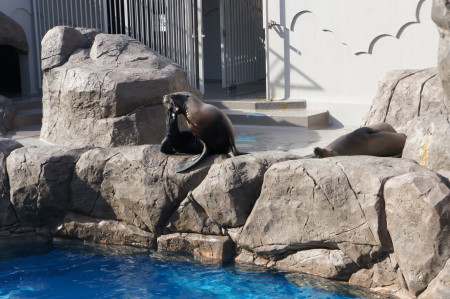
377, 222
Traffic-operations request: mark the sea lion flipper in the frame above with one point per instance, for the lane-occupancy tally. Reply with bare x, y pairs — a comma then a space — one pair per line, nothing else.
192, 161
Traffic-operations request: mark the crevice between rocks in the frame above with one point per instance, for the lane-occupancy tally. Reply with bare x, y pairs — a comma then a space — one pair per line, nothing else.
356, 198
421, 92
393, 92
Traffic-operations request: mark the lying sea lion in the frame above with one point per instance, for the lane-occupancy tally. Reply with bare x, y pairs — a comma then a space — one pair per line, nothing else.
375, 140
210, 130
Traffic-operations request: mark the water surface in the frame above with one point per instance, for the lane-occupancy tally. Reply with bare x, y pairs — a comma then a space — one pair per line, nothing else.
28, 270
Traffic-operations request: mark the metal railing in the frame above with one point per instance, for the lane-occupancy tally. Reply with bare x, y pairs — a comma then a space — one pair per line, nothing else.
168, 27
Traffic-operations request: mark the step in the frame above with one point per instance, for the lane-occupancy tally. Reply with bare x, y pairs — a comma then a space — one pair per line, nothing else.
28, 103
309, 118
258, 104
28, 117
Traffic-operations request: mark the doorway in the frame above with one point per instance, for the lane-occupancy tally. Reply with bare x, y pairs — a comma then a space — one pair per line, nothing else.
10, 84
234, 53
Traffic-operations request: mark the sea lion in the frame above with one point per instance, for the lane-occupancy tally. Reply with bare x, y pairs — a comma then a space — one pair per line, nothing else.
374, 140
210, 130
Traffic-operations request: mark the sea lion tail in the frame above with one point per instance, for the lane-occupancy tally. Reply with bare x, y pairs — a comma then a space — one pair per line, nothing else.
235, 151
192, 161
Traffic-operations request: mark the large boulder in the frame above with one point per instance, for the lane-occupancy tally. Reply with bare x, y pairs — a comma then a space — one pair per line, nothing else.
39, 179
326, 203
441, 16
418, 217
137, 185
105, 94
404, 95
232, 187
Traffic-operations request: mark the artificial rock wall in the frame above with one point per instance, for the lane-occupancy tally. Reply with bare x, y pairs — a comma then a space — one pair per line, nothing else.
377, 222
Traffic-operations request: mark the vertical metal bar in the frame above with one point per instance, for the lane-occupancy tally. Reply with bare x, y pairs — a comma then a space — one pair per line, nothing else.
112, 16
222, 42
176, 33
169, 24
131, 17
152, 24
53, 16
157, 26
104, 7
57, 13
232, 56
186, 36
147, 26
266, 32
37, 36
117, 16
183, 31
163, 33
201, 71
125, 15
139, 20
95, 17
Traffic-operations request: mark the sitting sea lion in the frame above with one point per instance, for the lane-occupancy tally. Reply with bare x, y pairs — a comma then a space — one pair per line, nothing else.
375, 140
210, 130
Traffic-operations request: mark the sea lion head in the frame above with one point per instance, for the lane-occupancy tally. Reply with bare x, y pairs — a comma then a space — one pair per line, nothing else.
177, 101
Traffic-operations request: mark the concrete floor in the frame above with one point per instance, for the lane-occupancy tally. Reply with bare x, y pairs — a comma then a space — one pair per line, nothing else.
250, 139
298, 140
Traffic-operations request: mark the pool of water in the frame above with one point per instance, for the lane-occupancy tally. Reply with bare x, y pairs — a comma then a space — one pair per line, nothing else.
28, 270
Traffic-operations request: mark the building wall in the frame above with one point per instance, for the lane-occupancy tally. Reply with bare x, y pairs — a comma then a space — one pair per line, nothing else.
333, 53
21, 11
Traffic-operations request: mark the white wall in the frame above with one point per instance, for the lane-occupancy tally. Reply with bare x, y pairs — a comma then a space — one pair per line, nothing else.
333, 53
21, 12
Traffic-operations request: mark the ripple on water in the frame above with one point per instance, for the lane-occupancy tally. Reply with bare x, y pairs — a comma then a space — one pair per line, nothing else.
74, 271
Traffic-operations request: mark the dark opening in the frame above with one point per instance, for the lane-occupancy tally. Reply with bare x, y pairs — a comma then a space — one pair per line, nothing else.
9, 71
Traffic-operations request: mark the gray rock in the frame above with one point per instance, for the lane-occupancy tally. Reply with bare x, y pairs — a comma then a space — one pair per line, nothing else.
107, 95
190, 217
439, 287
418, 214
7, 214
7, 115
384, 276
428, 141
333, 264
58, 44
104, 231
12, 34
215, 249
326, 203
137, 185
403, 95
441, 16
231, 188
39, 179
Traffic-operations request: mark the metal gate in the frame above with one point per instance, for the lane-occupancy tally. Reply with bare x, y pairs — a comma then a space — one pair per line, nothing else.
169, 27
242, 42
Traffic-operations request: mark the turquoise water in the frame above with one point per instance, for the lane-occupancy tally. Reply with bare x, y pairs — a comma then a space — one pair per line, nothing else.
74, 271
